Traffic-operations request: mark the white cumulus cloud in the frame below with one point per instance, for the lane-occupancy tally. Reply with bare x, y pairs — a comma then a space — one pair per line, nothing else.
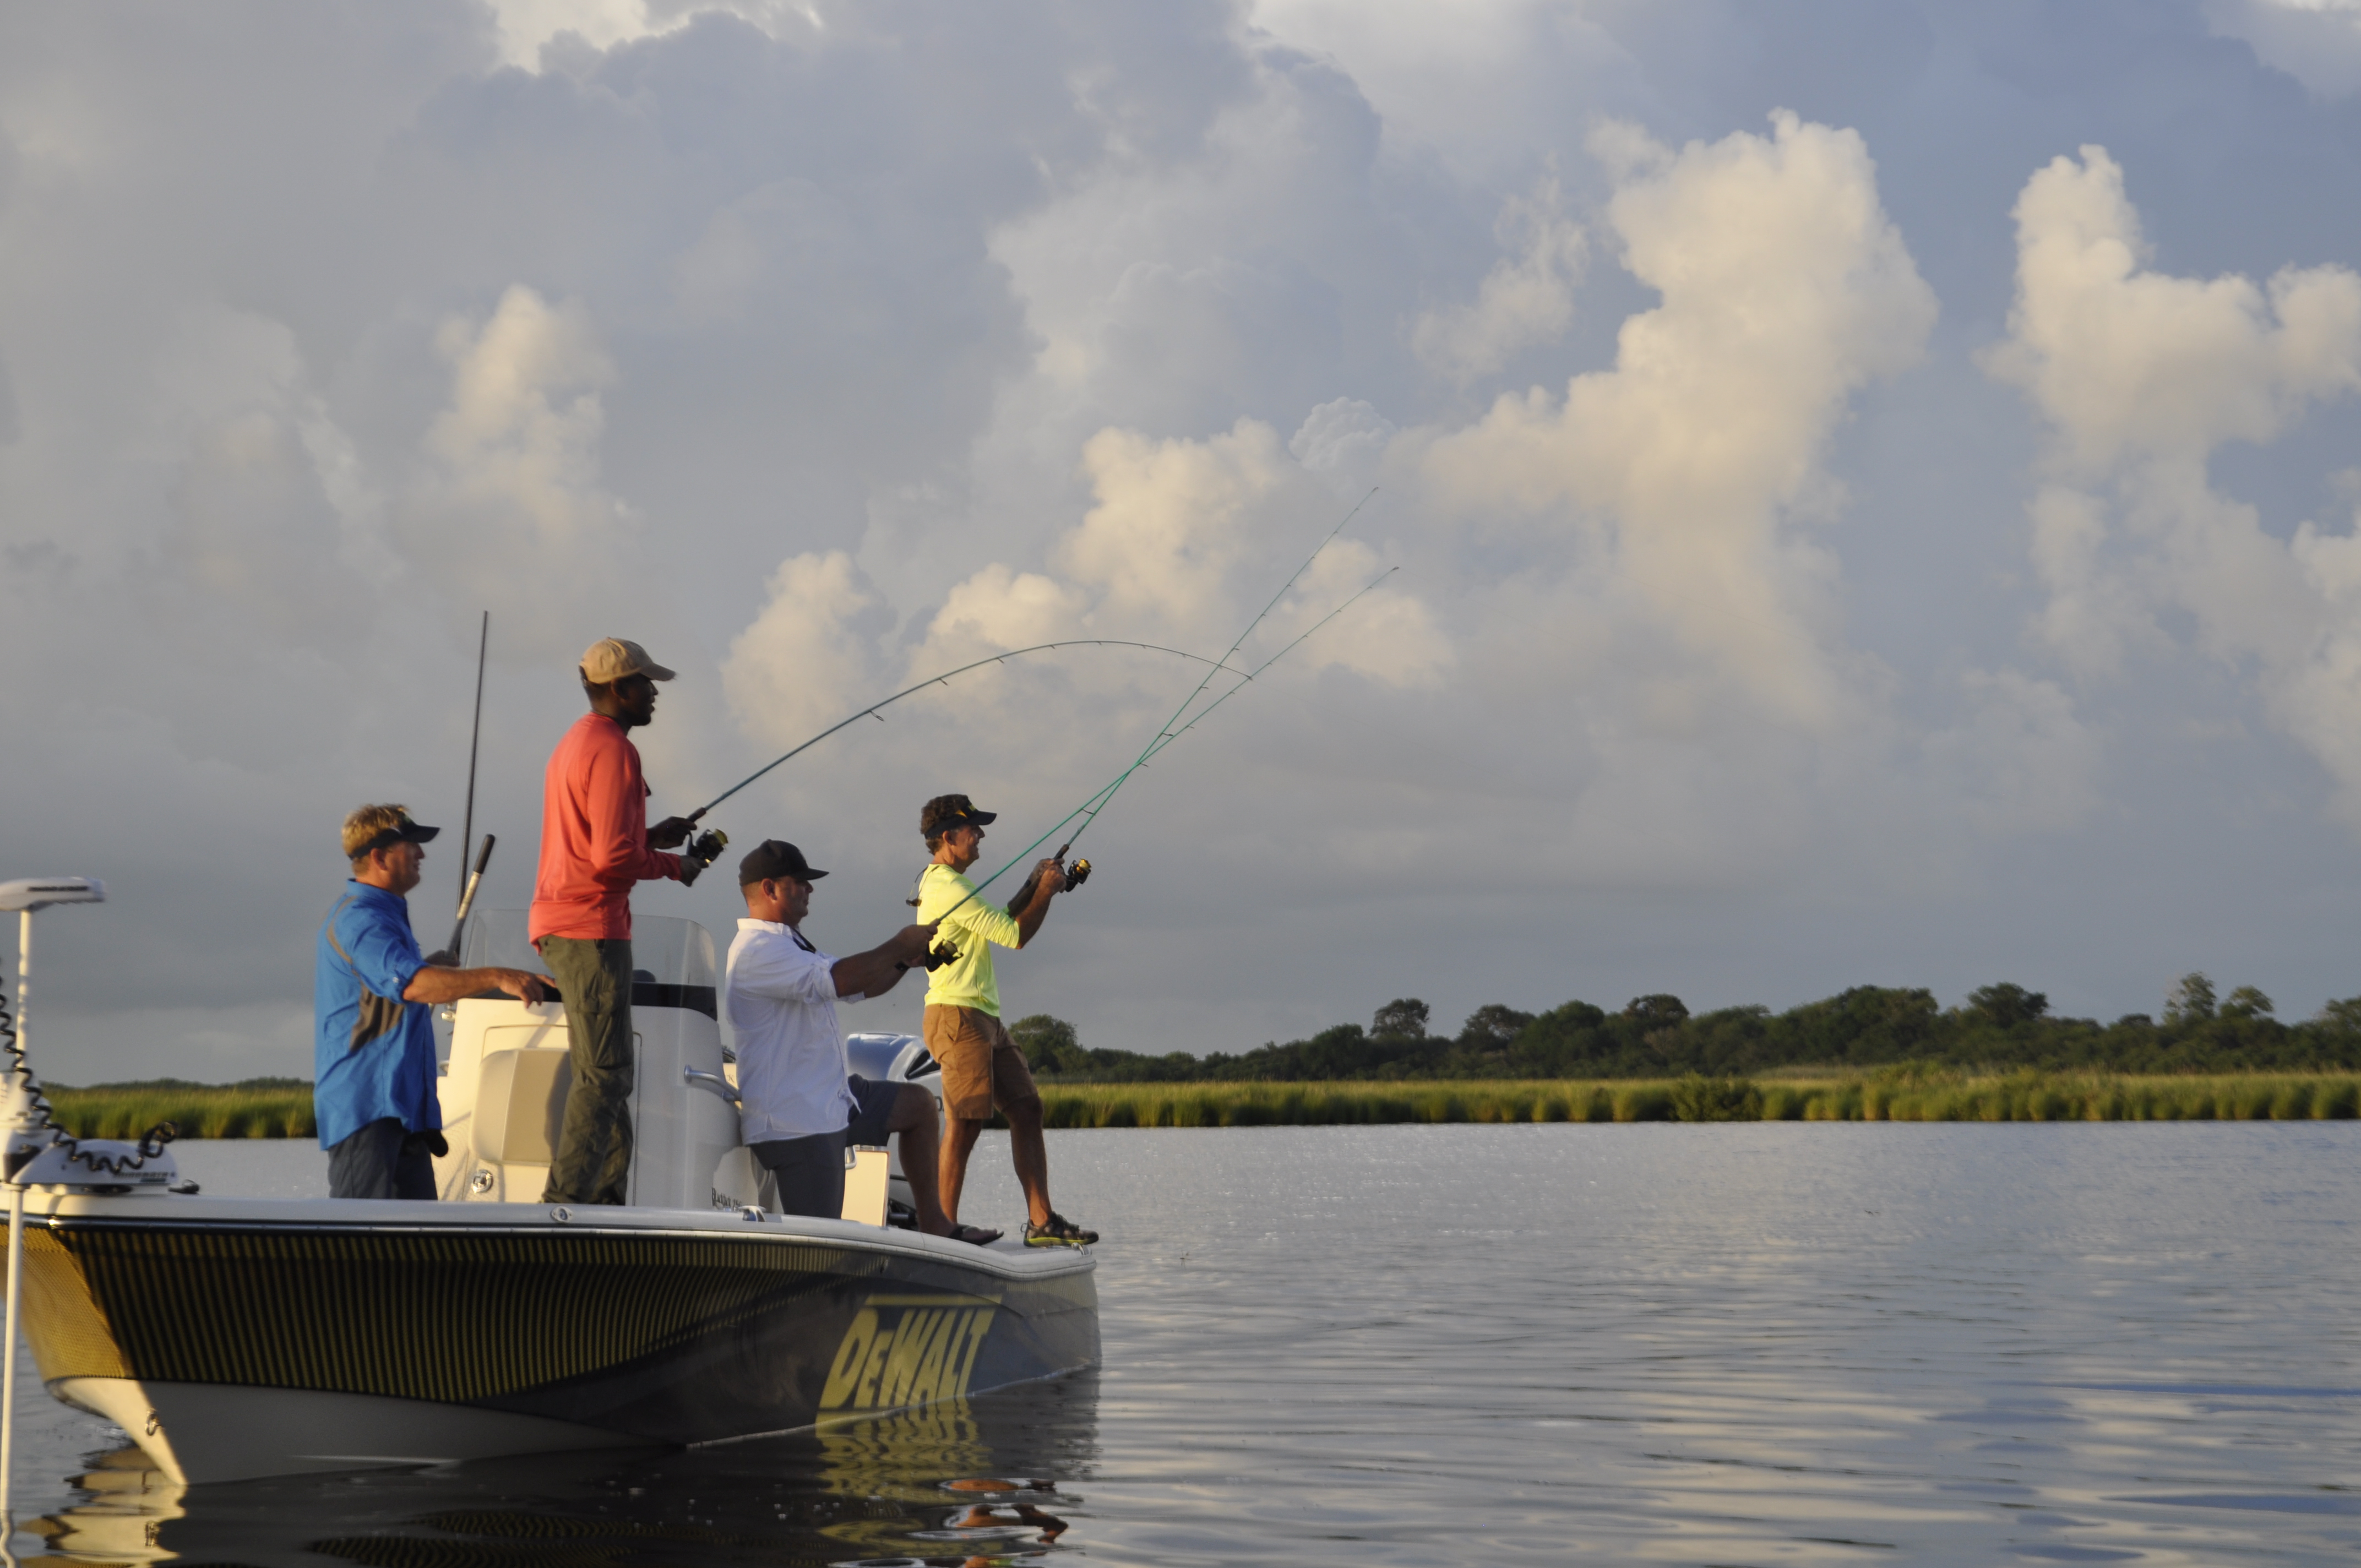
1786, 290
2141, 376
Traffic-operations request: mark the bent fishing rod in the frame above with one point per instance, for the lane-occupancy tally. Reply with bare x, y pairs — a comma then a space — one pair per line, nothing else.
1164, 736
1098, 800
943, 679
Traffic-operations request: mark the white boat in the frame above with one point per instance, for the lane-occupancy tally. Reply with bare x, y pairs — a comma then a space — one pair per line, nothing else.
235, 1338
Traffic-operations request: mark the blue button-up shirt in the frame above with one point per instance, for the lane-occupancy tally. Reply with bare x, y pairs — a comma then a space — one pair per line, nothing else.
375, 1052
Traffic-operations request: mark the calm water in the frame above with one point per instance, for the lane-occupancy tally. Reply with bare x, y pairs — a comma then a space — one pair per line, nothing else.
1727, 1345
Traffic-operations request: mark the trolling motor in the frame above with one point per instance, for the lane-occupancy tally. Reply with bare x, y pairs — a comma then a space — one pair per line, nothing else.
703, 853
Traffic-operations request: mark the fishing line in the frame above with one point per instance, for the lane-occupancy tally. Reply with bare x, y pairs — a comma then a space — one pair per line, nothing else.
1098, 801
1164, 736
943, 679
1200, 717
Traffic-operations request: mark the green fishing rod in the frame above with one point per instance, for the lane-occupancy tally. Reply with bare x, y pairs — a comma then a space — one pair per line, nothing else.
1165, 735
944, 679
1098, 801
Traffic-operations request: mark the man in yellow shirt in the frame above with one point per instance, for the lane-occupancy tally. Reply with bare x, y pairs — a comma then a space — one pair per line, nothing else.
981, 1067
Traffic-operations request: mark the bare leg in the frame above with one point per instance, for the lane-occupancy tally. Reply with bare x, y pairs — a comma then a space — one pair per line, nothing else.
1030, 1154
958, 1142
913, 1121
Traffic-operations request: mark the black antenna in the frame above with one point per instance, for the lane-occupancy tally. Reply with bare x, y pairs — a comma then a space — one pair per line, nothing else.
467, 825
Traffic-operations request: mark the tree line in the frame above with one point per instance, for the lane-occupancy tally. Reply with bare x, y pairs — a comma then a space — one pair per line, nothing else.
2001, 1027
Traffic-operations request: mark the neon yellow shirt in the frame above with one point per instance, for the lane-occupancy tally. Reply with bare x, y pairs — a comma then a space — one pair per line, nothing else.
966, 981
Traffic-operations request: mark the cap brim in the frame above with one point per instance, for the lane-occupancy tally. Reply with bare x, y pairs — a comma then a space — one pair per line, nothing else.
419, 833
812, 874
654, 672
983, 819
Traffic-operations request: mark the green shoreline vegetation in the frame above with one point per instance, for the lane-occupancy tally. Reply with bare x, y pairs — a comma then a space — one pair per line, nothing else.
1904, 1095
1869, 1054
1999, 1029
257, 1108
282, 1108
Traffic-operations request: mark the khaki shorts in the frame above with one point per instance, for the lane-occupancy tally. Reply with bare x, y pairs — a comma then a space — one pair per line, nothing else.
981, 1066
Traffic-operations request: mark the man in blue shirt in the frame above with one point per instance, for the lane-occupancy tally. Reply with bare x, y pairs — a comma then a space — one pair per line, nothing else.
373, 1084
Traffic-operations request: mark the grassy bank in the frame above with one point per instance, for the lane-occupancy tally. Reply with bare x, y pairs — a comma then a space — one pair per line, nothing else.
246, 1111
198, 1109
2018, 1097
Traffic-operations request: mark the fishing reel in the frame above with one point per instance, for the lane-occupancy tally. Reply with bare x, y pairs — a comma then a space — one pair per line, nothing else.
701, 854
1076, 874
940, 954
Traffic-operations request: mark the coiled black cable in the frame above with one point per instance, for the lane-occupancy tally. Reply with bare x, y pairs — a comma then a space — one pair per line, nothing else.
151, 1142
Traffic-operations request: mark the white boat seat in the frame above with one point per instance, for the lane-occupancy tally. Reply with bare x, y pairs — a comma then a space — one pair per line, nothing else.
520, 1106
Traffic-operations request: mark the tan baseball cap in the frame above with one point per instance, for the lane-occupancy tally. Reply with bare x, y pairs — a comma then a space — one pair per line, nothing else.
612, 658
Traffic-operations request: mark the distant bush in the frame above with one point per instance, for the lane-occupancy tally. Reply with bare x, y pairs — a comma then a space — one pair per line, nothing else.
2001, 1027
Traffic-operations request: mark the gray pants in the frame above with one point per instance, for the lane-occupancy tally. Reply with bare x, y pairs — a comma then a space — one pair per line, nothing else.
810, 1170
594, 1146
810, 1173
381, 1161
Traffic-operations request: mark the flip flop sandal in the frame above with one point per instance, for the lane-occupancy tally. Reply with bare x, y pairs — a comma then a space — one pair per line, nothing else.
976, 1235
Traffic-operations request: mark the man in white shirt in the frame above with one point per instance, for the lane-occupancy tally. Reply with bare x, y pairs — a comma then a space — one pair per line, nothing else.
799, 1107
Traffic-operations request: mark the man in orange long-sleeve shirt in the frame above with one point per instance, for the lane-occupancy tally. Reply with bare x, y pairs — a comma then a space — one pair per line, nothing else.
596, 845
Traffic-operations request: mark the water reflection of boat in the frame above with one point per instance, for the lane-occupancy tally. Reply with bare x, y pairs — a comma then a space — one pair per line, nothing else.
238, 1338
988, 1477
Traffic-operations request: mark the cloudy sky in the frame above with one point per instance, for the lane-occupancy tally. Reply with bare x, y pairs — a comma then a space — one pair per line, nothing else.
1873, 485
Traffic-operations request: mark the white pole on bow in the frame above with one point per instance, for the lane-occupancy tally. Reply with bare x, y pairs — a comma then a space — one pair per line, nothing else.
24, 897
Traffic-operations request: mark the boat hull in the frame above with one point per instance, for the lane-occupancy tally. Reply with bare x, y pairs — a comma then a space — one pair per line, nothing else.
236, 1339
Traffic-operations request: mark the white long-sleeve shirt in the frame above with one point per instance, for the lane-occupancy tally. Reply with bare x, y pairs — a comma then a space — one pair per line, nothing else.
780, 999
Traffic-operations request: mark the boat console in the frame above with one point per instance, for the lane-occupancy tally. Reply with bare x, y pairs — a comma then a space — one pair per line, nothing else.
504, 1084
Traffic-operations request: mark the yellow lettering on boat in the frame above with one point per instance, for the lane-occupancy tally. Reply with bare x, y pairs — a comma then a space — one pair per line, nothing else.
928, 1384
979, 1324
906, 1351
865, 1392
844, 1372
909, 1344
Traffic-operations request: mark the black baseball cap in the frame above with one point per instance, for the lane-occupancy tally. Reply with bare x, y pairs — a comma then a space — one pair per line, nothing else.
946, 812
773, 860
404, 832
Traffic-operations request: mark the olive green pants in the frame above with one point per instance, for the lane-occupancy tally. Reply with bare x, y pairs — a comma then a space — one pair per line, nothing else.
594, 1146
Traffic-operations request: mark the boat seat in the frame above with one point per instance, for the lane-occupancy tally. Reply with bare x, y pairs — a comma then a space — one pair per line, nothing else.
520, 1106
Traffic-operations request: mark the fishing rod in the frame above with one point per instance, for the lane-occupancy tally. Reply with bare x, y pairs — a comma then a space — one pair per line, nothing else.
944, 679
475, 739
468, 894
1098, 801
1166, 734
471, 880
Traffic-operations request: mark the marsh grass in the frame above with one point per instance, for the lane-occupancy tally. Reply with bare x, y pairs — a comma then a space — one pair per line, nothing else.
198, 1110
1897, 1095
